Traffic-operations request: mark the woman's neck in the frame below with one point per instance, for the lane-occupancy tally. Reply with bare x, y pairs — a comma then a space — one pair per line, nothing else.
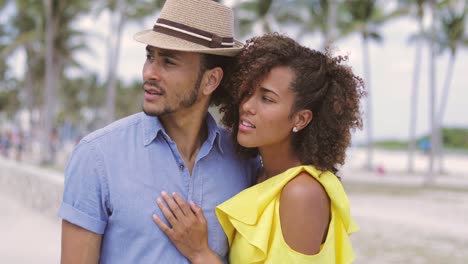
276, 161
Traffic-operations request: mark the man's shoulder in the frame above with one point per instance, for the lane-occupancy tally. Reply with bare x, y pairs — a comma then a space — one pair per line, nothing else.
116, 126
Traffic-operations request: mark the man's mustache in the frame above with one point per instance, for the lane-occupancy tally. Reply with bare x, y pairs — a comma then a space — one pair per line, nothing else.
154, 84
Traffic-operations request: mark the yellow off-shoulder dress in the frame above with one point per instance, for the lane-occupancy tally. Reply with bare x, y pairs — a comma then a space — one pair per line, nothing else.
251, 222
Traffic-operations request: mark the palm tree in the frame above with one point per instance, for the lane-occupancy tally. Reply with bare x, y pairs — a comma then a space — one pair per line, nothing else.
312, 16
365, 17
8, 85
51, 79
452, 37
58, 36
416, 10
80, 91
331, 35
432, 90
26, 34
121, 12
258, 14
3, 45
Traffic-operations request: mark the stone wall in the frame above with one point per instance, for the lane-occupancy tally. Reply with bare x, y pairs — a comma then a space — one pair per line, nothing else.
38, 188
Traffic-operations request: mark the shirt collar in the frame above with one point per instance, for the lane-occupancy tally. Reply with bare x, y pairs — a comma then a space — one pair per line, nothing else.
152, 127
214, 133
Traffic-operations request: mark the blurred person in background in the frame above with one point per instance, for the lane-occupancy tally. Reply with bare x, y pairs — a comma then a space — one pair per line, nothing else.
295, 107
54, 144
18, 142
115, 174
5, 143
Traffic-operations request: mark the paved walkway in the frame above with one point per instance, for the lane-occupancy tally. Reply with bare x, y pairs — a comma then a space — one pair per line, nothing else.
26, 235
418, 227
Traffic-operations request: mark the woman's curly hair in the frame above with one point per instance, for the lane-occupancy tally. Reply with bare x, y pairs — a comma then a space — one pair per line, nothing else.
322, 84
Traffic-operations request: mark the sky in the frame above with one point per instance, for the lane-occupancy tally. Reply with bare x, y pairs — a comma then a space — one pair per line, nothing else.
391, 73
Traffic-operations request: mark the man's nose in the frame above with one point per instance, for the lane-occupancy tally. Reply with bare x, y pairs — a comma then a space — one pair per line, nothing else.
151, 71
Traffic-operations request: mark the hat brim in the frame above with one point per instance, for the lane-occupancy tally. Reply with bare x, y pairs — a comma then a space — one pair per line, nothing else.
164, 41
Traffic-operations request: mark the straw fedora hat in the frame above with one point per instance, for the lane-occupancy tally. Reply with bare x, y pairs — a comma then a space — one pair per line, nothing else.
203, 26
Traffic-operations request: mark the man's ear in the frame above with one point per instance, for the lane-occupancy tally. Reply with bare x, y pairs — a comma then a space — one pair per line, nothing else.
302, 118
212, 80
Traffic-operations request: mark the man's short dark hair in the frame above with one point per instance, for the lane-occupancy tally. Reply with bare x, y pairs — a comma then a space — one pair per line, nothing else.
210, 61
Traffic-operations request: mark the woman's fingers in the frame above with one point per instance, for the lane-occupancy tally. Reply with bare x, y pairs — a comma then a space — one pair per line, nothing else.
182, 205
187, 227
176, 210
198, 212
167, 212
174, 207
166, 229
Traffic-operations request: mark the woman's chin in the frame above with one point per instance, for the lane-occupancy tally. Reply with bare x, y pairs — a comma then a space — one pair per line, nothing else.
245, 143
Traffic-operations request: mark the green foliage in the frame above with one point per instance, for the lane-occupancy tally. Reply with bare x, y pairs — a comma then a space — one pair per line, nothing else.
131, 10
81, 100
453, 29
391, 144
263, 7
3, 4
311, 16
251, 12
9, 102
366, 17
362, 10
413, 8
456, 138
129, 99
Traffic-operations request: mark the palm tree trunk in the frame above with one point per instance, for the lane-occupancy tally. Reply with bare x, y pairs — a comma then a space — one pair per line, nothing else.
235, 9
117, 23
414, 102
47, 115
331, 22
30, 100
368, 113
432, 94
443, 106
270, 24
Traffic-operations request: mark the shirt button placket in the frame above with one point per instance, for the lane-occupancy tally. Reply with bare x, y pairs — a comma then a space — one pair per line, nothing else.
189, 179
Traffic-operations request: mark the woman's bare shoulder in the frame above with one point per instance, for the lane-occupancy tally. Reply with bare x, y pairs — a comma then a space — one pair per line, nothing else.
304, 188
304, 213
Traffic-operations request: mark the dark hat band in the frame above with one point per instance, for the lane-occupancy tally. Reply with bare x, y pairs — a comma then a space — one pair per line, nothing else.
191, 34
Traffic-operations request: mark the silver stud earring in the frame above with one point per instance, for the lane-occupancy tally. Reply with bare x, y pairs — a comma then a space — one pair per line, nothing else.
295, 129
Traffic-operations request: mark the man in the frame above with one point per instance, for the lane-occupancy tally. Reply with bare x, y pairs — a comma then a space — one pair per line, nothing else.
115, 174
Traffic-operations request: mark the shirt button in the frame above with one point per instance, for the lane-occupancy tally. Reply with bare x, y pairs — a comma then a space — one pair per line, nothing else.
181, 166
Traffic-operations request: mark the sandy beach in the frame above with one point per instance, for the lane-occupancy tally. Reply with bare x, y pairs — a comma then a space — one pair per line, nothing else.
401, 219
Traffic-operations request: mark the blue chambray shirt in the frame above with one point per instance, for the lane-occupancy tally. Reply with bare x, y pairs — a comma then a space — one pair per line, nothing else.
115, 175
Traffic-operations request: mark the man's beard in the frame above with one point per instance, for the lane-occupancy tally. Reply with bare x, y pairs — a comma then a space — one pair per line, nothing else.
185, 103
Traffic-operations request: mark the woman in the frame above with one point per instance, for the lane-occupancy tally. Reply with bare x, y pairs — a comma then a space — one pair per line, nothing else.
295, 107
